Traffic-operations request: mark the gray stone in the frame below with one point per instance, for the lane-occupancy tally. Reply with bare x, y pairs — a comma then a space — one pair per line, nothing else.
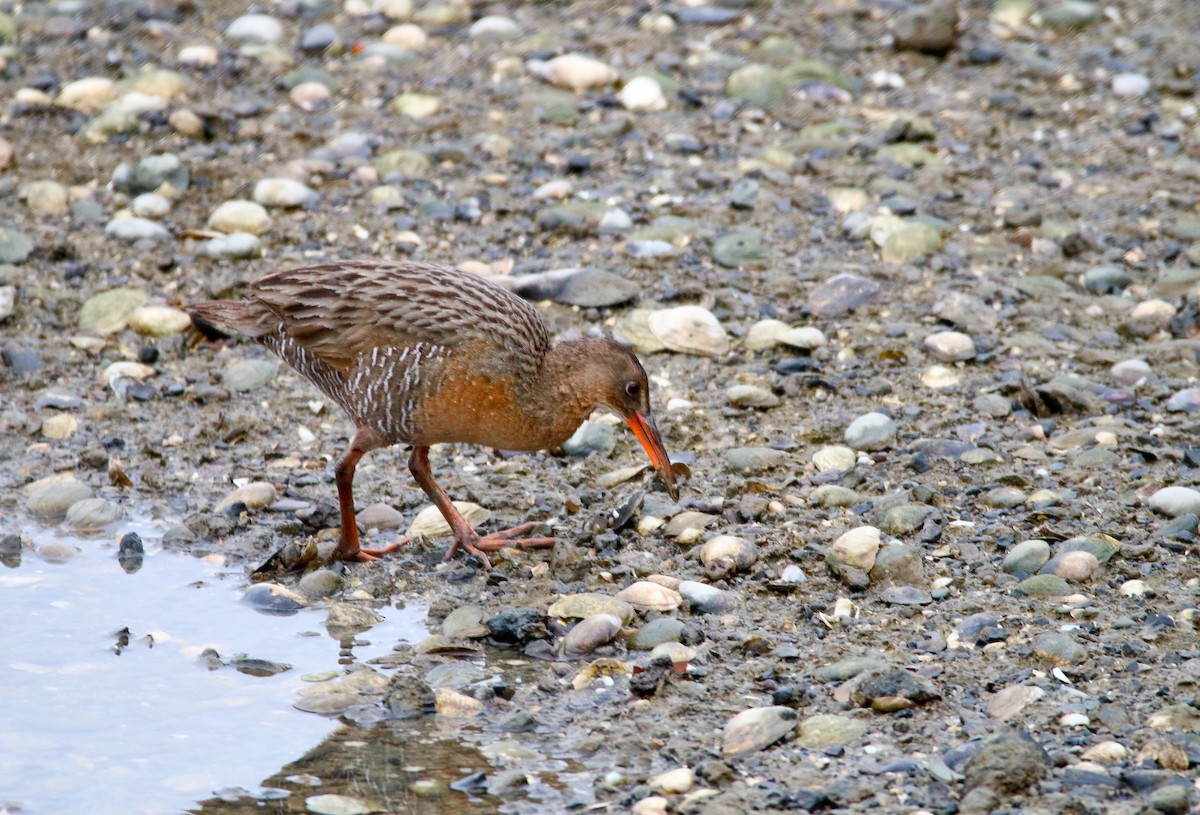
871, 431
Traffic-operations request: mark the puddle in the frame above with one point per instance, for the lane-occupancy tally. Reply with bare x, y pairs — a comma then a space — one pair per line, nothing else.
151, 729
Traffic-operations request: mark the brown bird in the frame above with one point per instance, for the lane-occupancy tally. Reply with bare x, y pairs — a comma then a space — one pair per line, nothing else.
421, 354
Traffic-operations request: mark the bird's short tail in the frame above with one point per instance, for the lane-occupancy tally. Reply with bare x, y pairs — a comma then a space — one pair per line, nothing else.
218, 319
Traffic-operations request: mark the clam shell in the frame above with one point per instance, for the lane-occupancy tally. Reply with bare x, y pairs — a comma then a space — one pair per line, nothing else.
574, 71
690, 330
742, 552
429, 522
647, 596
756, 728
590, 634
856, 548
587, 604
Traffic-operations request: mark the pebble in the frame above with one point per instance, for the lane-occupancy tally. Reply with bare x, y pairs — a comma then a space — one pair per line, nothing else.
764, 334
834, 458
673, 782
417, 105
950, 346
92, 514
1059, 649
1130, 85
198, 56
249, 374
151, 173
746, 396
591, 437
236, 245
15, 245
332, 804
803, 337
1077, 565
60, 426
829, 730
751, 460
87, 95
494, 28
320, 583
1184, 401
705, 599
150, 205
1008, 763
642, 94
310, 96
576, 72
757, 84
159, 321
255, 495
1131, 372
689, 330
854, 551
1176, 501
261, 28
1044, 585
650, 805
45, 197
8, 302
430, 523
898, 564
756, 729
1027, 557
742, 247
871, 431
134, 229
273, 598
380, 516
283, 192
240, 216
656, 632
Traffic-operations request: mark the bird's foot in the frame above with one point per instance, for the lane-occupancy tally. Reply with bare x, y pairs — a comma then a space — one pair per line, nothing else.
498, 540
359, 555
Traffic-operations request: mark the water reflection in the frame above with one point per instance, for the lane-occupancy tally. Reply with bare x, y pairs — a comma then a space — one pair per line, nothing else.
110, 703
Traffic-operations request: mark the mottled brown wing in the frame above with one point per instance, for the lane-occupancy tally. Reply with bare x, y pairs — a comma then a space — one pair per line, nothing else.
341, 310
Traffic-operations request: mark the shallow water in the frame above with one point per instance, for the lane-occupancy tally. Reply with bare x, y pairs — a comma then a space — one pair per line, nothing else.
151, 729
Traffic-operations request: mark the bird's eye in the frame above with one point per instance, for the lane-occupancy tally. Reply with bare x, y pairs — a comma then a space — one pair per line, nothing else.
632, 389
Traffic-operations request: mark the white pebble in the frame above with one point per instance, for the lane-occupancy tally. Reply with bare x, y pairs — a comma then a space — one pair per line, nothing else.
642, 94
950, 346
1129, 85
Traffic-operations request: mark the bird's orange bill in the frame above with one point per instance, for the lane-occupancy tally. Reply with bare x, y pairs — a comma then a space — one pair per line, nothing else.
647, 433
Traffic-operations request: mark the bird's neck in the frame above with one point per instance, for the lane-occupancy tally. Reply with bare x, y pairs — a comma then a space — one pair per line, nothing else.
564, 392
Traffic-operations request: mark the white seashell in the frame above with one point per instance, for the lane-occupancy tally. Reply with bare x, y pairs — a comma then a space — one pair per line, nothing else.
574, 71
856, 548
590, 634
835, 458
429, 522
689, 330
159, 321
950, 346
805, 337
642, 94
646, 596
939, 377
740, 551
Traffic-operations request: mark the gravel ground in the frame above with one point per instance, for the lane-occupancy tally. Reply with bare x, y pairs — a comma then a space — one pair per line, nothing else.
915, 286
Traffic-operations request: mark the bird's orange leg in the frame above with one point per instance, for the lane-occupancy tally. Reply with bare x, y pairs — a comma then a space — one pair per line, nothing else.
464, 536
348, 549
